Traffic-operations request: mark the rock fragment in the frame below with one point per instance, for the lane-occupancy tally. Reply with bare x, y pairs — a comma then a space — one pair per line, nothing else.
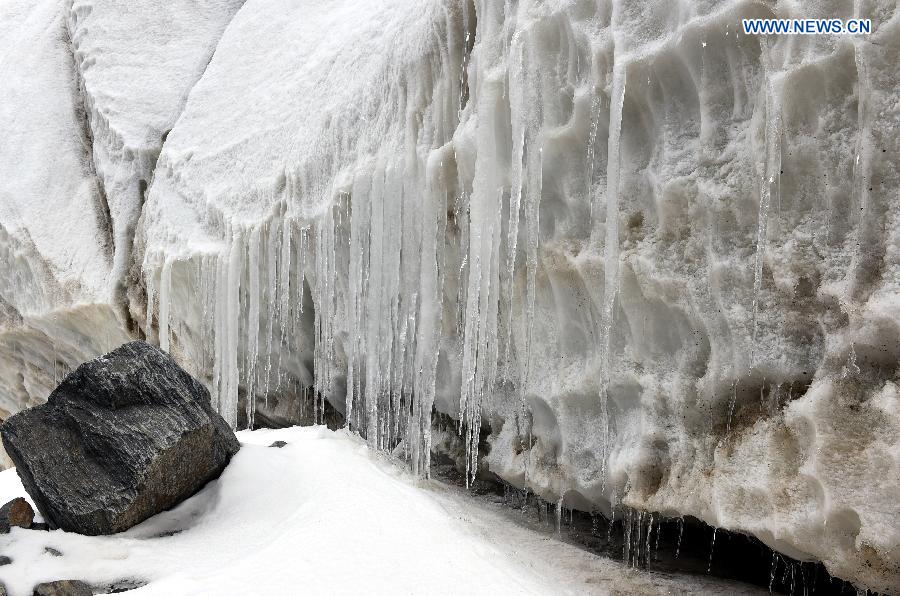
17, 512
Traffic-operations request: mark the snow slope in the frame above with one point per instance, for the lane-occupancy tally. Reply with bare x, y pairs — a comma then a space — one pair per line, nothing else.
325, 515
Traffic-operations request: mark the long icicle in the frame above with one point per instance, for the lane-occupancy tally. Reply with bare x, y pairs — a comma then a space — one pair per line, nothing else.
770, 182
611, 248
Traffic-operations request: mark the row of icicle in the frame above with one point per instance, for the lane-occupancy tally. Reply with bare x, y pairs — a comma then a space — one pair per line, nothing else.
390, 238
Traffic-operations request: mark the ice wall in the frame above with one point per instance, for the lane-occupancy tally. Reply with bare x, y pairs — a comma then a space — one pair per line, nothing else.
645, 259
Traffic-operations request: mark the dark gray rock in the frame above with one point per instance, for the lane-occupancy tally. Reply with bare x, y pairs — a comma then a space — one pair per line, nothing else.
17, 512
278, 444
64, 587
52, 551
40, 526
4, 560
123, 437
119, 586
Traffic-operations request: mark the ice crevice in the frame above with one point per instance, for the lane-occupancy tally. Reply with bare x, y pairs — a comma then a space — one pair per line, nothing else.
645, 262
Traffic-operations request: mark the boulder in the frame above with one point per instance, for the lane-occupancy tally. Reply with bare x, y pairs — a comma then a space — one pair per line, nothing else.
123, 437
17, 512
65, 587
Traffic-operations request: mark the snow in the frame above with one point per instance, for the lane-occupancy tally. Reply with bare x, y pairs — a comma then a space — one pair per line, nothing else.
55, 244
90, 89
135, 66
324, 515
51, 219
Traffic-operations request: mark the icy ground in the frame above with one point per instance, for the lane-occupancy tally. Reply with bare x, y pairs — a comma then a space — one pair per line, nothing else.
326, 515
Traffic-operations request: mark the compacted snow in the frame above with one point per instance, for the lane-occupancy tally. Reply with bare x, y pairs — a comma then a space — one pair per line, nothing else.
324, 515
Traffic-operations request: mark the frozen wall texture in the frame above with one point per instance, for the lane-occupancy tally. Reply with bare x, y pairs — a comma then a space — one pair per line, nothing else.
653, 260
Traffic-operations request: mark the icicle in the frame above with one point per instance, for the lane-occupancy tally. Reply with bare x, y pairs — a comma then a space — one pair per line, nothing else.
611, 249
151, 298
165, 291
271, 294
228, 315
559, 506
480, 349
774, 569
284, 288
731, 404
252, 324
712, 549
770, 183
518, 90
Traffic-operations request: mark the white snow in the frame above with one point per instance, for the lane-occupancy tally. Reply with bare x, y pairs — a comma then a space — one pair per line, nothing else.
89, 89
325, 515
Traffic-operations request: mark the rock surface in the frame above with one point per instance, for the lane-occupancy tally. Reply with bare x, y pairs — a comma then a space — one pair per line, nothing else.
64, 587
123, 437
17, 512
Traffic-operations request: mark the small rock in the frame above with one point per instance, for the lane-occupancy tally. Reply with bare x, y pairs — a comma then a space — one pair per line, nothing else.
17, 512
64, 587
4, 560
40, 526
52, 551
120, 586
278, 444
123, 437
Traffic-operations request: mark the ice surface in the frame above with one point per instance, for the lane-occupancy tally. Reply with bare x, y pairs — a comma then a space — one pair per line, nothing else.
55, 243
325, 515
653, 260
90, 89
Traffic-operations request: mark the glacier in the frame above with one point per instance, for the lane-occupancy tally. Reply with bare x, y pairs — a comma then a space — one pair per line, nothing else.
641, 259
